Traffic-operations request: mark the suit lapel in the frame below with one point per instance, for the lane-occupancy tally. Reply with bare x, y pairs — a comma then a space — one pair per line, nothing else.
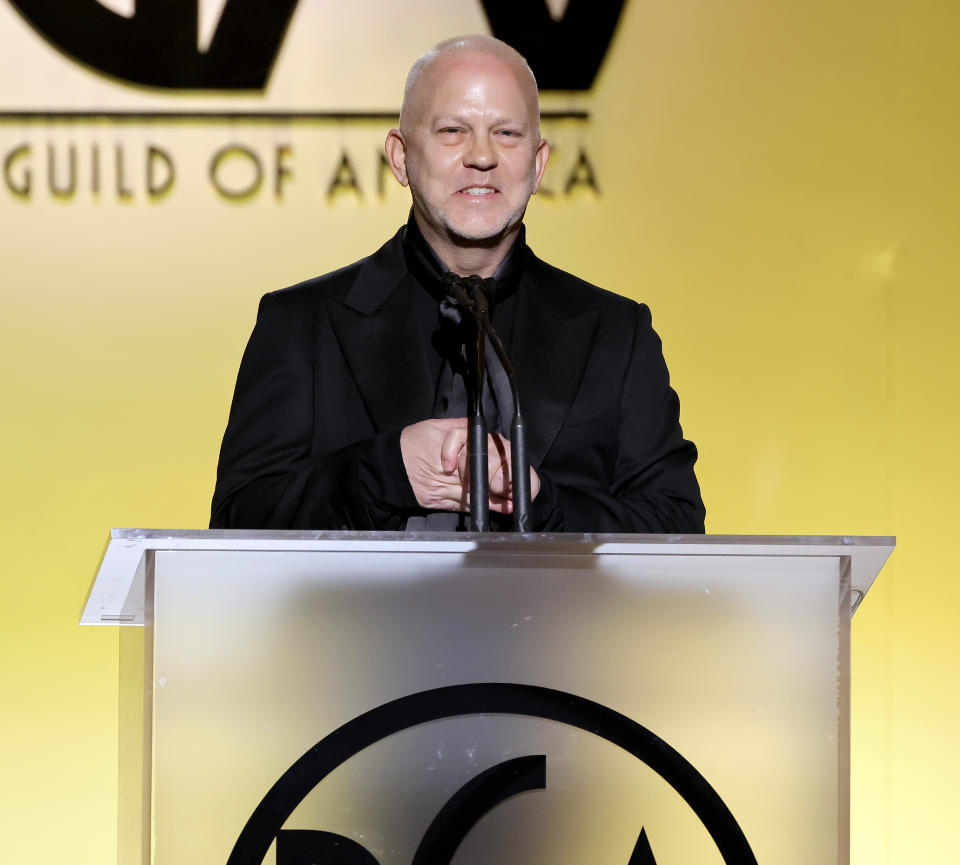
552, 337
381, 342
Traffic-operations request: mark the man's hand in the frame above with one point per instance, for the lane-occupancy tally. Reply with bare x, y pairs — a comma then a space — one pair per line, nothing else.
431, 451
435, 456
499, 469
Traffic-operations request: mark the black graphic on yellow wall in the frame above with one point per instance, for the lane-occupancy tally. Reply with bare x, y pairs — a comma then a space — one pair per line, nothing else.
158, 46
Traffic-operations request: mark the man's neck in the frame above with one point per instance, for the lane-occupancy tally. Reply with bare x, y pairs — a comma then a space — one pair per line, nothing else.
469, 258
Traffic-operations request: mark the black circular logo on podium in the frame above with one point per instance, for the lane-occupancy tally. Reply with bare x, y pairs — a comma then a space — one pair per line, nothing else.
306, 847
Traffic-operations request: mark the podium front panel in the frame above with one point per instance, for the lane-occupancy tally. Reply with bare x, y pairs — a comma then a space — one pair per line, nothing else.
707, 710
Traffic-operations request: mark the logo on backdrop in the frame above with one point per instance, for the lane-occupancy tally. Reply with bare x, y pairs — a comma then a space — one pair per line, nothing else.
482, 793
158, 45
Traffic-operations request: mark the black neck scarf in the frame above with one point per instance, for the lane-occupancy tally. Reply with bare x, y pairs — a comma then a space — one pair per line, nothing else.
455, 335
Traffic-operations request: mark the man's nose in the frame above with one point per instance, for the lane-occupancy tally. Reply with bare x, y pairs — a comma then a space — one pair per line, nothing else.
480, 153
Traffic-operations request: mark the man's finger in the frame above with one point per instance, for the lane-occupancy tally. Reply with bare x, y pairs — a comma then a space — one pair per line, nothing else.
498, 464
453, 442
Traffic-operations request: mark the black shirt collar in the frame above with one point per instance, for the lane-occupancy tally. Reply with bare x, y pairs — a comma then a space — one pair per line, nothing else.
428, 268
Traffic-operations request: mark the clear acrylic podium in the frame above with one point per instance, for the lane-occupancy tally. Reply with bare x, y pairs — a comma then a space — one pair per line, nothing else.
317, 698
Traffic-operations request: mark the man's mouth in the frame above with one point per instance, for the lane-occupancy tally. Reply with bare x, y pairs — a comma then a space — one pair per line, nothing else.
479, 190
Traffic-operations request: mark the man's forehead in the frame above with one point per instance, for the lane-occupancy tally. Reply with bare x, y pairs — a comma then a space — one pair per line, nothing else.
453, 71
481, 63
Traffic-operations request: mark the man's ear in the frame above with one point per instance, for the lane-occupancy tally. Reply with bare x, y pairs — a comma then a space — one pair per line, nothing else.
396, 149
540, 162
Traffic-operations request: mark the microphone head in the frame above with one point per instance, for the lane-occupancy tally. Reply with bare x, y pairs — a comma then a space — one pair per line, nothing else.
454, 286
475, 284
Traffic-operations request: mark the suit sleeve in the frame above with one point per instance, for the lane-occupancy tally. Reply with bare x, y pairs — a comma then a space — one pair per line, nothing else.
653, 488
268, 475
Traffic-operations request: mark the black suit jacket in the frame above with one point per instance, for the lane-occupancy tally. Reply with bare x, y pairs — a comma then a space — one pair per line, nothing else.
335, 368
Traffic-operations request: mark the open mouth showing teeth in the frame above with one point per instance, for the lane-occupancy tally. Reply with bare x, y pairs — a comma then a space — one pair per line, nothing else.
479, 190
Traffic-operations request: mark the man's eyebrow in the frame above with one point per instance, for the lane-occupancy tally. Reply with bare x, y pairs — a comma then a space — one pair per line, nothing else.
469, 120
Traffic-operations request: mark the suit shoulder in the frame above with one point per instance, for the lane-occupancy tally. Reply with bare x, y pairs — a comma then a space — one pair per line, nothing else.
329, 285
576, 293
381, 268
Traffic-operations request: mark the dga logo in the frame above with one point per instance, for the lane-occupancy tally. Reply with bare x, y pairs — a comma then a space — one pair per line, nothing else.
158, 45
488, 789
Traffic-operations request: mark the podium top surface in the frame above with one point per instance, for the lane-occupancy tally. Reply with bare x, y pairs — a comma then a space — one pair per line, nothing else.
117, 595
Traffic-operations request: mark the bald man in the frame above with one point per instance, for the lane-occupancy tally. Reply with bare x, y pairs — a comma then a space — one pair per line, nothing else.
349, 410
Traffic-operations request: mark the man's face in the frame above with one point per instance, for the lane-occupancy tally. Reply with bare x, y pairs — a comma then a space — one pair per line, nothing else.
471, 151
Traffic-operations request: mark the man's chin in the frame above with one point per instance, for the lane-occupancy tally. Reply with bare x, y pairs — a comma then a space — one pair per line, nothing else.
481, 233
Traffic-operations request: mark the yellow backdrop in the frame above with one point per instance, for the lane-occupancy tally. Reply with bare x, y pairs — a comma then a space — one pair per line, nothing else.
777, 180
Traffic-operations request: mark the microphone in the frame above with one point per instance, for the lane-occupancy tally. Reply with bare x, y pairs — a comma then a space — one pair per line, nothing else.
479, 480
519, 461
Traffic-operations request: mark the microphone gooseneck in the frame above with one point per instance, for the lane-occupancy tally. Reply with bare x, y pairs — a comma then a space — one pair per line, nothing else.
519, 461
476, 303
477, 432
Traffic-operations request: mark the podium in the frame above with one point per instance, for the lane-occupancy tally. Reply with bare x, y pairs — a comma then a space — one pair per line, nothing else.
321, 698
